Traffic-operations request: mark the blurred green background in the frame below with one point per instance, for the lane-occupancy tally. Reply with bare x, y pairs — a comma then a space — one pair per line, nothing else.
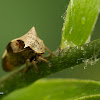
18, 16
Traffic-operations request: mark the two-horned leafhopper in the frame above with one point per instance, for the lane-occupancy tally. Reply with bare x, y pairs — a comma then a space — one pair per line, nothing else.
27, 48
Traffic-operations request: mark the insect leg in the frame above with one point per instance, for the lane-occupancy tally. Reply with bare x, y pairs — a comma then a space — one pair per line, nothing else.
27, 63
35, 66
48, 50
40, 58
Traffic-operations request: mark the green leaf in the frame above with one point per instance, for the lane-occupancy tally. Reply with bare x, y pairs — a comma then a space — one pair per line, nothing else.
58, 89
90, 97
79, 22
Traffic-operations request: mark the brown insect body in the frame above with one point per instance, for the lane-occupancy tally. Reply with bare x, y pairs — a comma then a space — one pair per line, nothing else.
28, 46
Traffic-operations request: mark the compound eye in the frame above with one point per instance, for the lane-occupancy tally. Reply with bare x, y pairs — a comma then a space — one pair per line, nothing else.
17, 45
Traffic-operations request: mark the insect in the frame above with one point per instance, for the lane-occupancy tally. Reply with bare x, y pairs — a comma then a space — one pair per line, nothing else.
25, 49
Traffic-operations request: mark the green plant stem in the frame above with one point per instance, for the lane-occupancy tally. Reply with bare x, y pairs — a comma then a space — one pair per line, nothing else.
59, 61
